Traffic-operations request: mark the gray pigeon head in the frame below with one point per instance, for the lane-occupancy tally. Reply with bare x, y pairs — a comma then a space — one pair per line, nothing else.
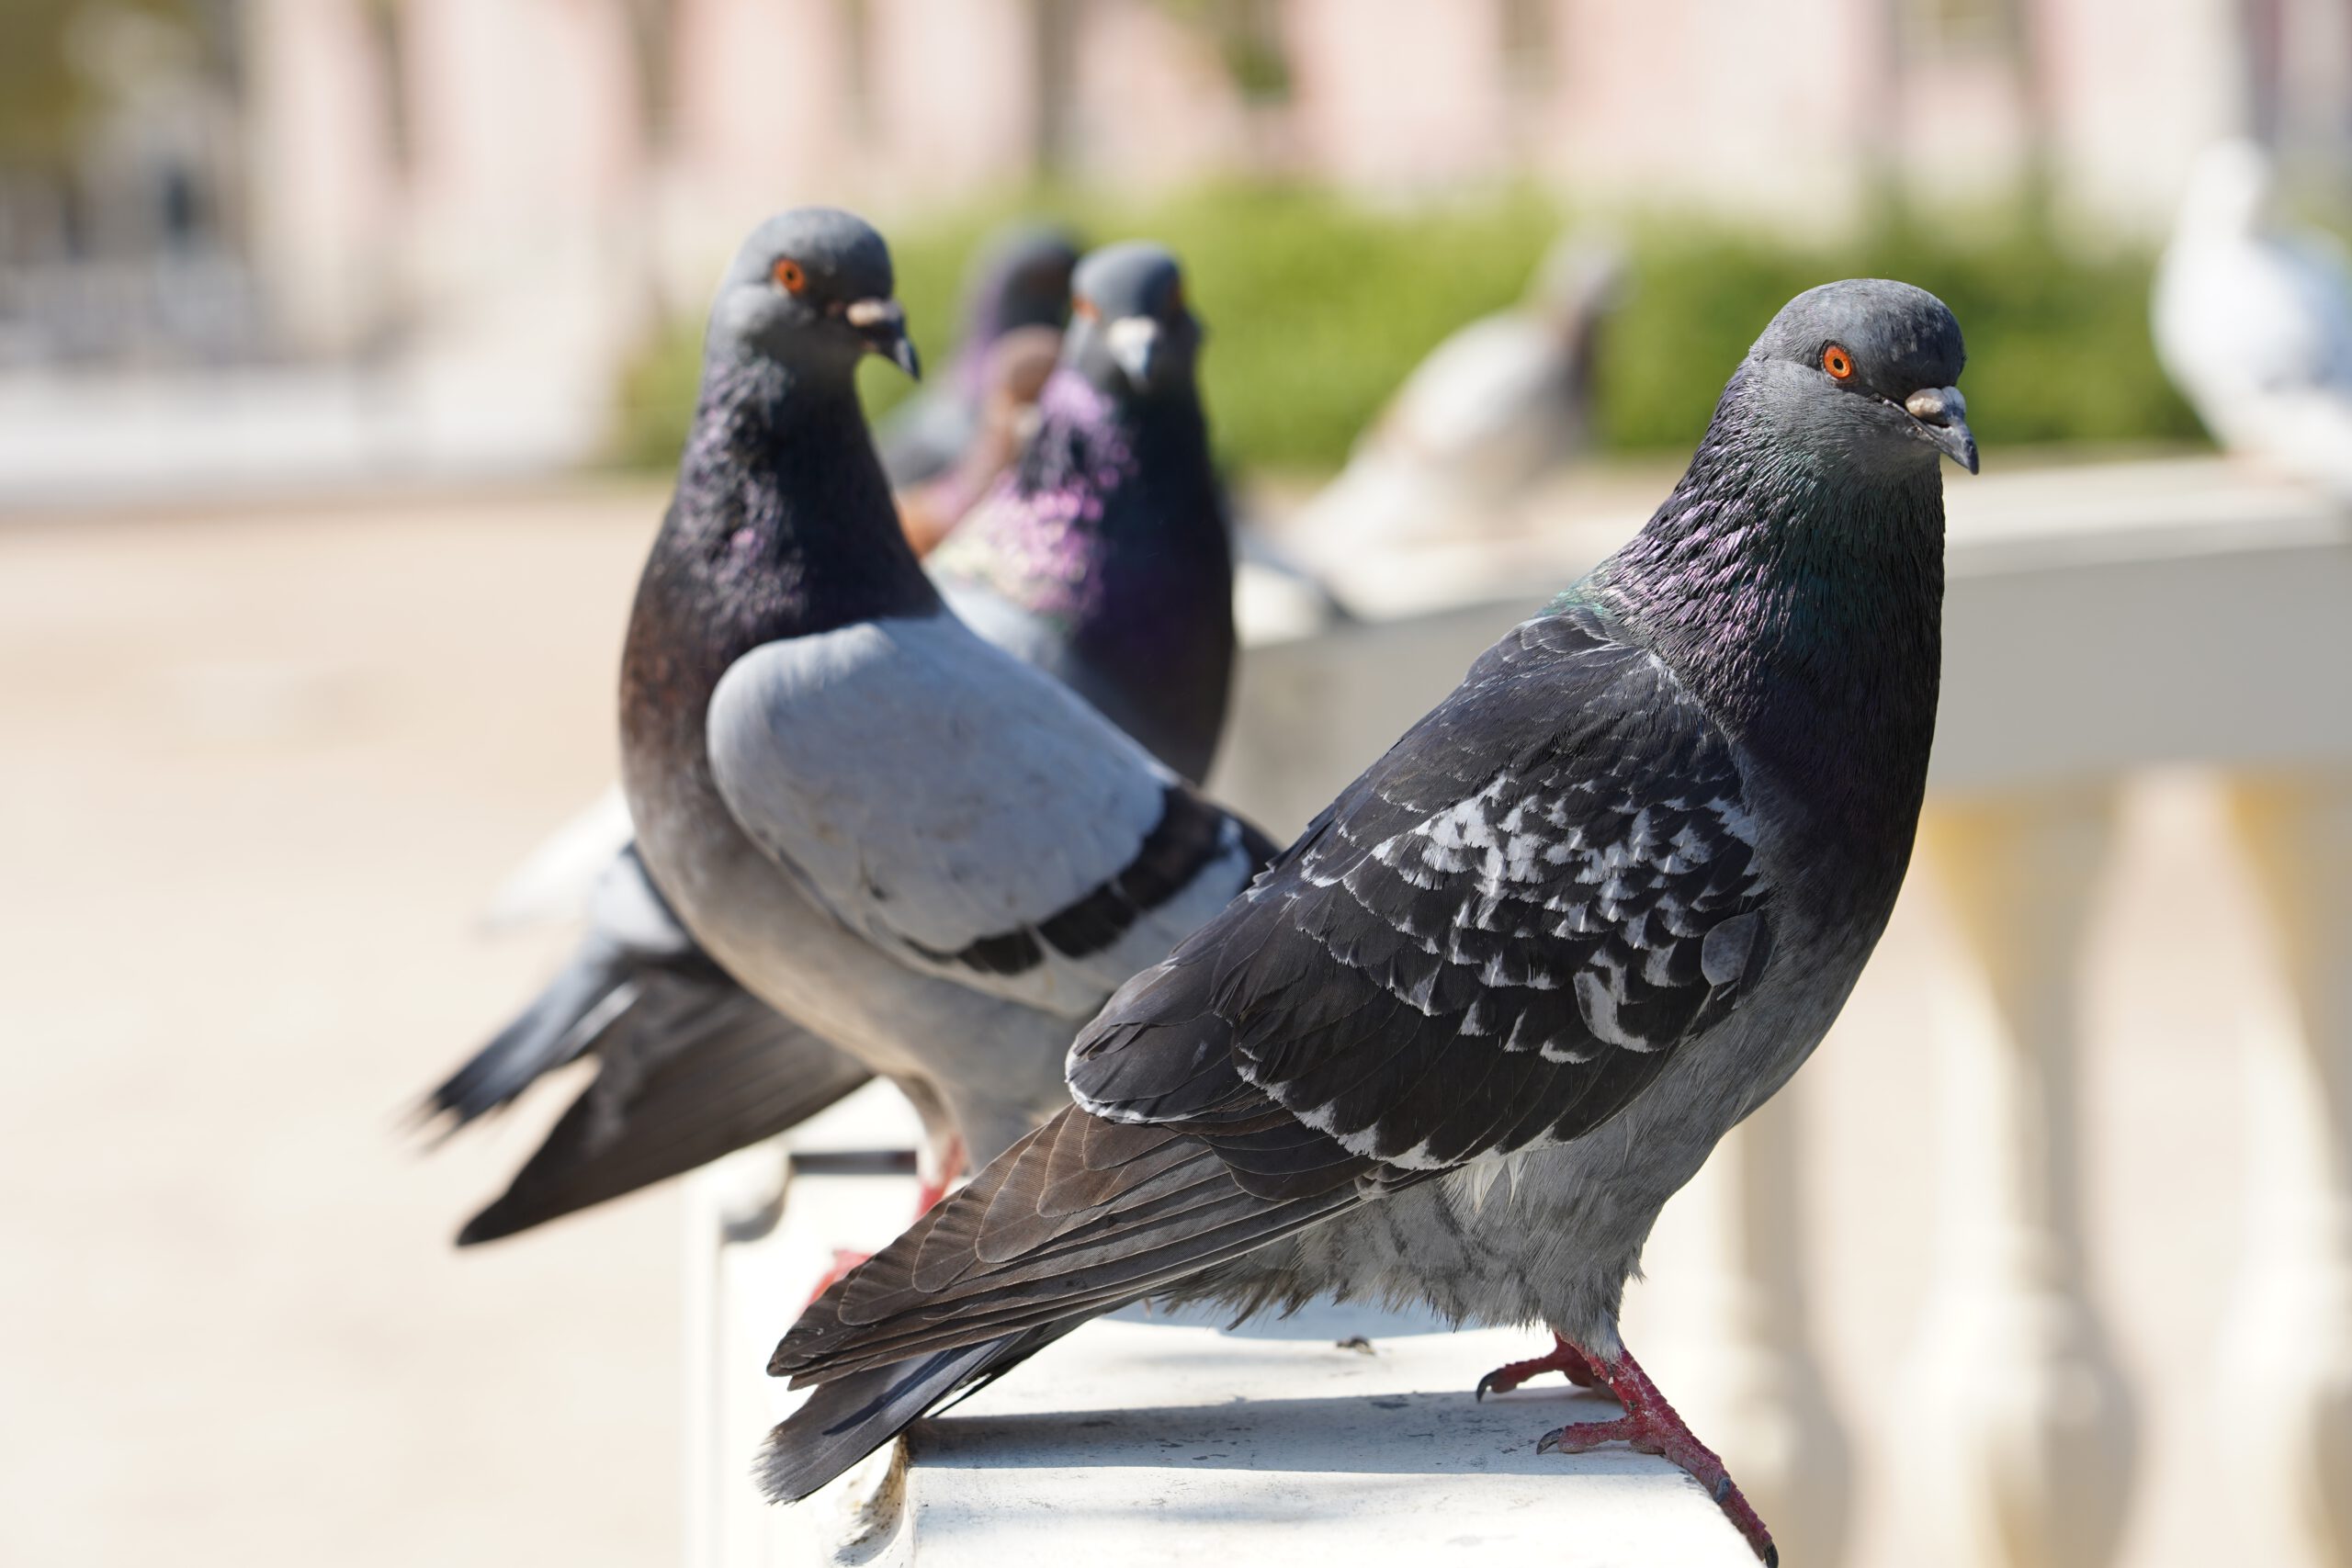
1021, 279
1860, 372
1130, 330
811, 288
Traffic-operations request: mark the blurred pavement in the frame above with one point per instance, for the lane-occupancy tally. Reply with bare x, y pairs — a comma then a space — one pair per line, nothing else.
260, 774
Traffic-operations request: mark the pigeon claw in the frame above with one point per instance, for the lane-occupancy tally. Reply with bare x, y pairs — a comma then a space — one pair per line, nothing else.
1564, 1358
1650, 1426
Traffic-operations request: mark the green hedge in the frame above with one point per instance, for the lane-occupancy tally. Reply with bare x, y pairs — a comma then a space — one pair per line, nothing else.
1317, 306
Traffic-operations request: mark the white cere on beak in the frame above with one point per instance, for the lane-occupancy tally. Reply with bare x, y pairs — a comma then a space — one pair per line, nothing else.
862, 313
1133, 342
1936, 405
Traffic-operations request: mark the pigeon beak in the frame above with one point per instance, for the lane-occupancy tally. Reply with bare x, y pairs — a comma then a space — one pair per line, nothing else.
1942, 414
883, 324
1134, 342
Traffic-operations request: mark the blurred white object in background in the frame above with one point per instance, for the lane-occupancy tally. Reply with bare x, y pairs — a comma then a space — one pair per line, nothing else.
1492, 410
2253, 322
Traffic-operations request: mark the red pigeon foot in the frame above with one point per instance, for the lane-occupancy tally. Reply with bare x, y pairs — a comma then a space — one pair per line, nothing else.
1650, 1426
1564, 1358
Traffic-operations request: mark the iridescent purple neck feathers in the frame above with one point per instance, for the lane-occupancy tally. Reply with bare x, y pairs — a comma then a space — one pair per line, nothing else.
1048, 537
782, 523
1802, 601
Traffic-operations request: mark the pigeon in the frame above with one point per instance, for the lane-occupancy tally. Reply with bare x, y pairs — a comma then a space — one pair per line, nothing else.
1491, 411
2253, 322
1106, 557
1020, 278
1461, 1041
1106, 562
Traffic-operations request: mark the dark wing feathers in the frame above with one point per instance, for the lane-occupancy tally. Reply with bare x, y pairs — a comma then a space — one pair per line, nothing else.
1500, 933
1083, 1214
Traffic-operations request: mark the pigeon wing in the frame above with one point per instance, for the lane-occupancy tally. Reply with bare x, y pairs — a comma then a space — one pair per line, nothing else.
968, 814
1493, 940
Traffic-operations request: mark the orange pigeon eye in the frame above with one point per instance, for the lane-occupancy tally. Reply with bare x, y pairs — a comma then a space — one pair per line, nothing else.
790, 274
1083, 309
1838, 362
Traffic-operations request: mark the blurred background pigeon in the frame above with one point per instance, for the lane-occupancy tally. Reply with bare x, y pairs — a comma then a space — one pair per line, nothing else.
1014, 372
1492, 410
1105, 560
2252, 321
1020, 278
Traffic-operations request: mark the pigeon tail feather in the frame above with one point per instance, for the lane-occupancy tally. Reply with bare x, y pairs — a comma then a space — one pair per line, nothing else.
688, 1072
846, 1420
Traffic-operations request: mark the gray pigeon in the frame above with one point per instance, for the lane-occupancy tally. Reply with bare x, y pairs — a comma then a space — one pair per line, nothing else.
1465, 1037
1491, 411
2252, 321
1105, 560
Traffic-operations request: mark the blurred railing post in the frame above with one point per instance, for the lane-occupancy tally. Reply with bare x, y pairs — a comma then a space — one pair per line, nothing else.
732, 1206
2022, 1444
1733, 1332
2283, 1374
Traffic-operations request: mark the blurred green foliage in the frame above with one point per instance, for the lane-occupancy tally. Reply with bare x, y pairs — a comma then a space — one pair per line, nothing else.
1318, 307
48, 93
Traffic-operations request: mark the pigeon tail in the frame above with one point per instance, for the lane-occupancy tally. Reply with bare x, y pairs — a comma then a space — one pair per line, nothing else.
688, 1071
554, 1030
850, 1417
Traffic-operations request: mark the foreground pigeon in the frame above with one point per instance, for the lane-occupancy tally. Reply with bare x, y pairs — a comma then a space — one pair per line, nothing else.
1020, 279
1492, 410
1469, 1033
2253, 322
1104, 561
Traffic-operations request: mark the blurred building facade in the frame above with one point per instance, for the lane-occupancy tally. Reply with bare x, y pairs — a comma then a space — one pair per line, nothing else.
503, 194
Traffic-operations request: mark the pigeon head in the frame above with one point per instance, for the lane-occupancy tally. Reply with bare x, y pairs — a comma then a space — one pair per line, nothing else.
1022, 281
1860, 373
1130, 332
811, 289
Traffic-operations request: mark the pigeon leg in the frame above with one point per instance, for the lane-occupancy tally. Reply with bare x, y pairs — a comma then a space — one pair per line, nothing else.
937, 1185
1564, 1358
1650, 1426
